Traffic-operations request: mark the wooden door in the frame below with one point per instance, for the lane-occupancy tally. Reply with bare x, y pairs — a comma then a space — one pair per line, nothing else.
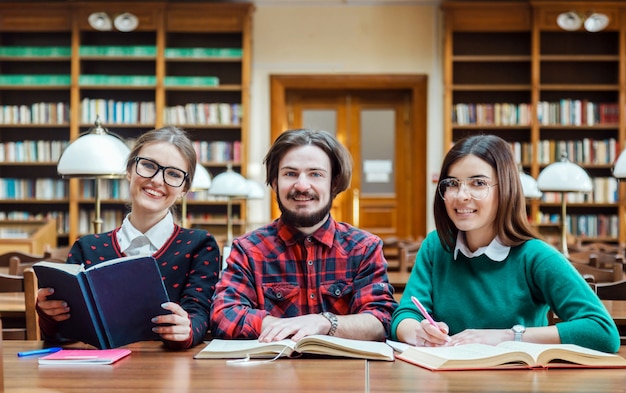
378, 128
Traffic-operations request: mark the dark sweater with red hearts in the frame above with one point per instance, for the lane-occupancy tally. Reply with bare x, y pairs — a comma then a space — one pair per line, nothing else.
189, 262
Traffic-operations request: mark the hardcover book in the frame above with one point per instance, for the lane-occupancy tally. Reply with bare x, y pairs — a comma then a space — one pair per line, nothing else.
111, 303
314, 345
509, 355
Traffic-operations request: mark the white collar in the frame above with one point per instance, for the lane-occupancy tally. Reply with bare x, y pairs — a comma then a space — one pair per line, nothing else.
495, 251
133, 242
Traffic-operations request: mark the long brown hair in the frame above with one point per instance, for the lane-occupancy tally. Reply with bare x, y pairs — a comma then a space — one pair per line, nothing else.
511, 222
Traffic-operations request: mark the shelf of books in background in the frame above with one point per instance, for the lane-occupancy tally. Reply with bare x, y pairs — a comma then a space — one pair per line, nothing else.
34, 127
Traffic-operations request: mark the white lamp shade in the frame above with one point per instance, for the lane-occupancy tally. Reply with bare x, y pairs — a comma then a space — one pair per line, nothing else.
569, 21
619, 169
126, 22
229, 184
100, 21
529, 186
564, 176
596, 22
201, 179
94, 155
255, 190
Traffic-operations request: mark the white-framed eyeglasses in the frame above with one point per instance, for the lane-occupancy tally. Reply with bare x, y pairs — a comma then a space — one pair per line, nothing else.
148, 168
476, 187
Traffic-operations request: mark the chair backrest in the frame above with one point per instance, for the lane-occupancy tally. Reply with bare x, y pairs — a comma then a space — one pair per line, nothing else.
407, 253
24, 257
27, 285
57, 254
609, 274
17, 266
610, 290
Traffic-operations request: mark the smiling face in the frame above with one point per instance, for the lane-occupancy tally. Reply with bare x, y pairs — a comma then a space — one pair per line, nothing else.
303, 187
152, 197
475, 217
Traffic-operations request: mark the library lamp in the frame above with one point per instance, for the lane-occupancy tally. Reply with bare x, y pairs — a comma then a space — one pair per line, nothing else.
231, 185
96, 154
529, 186
201, 182
564, 177
619, 168
572, 21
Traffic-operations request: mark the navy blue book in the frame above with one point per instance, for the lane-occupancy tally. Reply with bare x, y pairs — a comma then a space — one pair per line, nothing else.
111, 303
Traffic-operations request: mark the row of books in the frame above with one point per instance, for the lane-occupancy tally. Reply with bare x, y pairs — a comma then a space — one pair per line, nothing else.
32, 151
118, 51
587, 225
218, 113
40, 188
61, 217
563, 112
36, 113
587, 151
577, 113
117, 112
109, 189
605, 190
34, 80
498, 114
218, 151
111, 219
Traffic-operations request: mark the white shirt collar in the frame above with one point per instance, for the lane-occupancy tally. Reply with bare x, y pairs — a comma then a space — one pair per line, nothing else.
133, 242
496, 251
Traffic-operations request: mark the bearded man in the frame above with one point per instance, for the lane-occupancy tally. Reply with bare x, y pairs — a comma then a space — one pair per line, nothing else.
305, 273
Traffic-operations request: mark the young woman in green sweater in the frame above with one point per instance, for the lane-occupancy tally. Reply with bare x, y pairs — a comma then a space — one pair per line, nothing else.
484, 275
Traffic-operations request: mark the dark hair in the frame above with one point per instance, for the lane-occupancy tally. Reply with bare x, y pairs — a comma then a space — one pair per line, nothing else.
340, 159
511, 222
178, 138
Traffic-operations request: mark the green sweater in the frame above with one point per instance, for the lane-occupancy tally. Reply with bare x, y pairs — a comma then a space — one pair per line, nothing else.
479, 293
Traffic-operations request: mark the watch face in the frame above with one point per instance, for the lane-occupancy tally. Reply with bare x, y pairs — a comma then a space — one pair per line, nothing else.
519, 329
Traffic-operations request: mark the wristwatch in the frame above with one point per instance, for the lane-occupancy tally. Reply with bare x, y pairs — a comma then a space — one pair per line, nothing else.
518, 330
332, 318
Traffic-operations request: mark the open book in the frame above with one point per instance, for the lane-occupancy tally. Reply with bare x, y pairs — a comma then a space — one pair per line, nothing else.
315, 344
508, 355
111, 303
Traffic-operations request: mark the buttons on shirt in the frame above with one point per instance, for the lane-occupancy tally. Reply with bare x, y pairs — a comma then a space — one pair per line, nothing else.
309, 262
337, 292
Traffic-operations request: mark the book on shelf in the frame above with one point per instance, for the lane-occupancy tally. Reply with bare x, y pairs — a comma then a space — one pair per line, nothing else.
313, 345
111, 303
84, 356
509, 355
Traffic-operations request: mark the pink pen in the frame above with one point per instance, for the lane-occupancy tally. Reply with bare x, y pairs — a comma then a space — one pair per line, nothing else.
425, 313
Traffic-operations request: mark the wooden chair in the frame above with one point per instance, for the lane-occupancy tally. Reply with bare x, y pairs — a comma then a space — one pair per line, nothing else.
604, 267
5, 259
57, 253
17, 267
28, 327
406, 255
391, 246
612, 291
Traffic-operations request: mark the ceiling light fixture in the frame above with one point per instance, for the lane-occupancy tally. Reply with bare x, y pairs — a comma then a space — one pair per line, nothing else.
126, 22
592, 21
100, 21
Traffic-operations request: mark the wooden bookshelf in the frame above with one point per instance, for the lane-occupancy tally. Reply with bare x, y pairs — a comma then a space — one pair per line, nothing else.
190, 59
566, 89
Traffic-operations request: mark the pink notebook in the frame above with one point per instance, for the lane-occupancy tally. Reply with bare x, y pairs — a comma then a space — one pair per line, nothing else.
85, 356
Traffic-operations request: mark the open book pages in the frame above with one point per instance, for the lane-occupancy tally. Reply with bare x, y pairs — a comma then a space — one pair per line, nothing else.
509, 354
316, 344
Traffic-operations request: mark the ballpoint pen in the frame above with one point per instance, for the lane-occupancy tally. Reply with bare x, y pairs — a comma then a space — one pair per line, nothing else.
43, 351
425, 313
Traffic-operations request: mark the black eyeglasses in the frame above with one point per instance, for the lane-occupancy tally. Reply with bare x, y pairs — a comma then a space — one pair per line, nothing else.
148, 168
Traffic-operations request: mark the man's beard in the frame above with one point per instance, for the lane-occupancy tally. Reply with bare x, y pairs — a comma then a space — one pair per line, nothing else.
303, 220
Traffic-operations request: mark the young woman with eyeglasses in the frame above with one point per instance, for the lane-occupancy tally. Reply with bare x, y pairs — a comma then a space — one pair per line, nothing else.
483, 274
160, 169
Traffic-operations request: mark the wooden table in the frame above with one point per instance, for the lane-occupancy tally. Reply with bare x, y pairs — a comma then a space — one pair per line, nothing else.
400, 376
150, 368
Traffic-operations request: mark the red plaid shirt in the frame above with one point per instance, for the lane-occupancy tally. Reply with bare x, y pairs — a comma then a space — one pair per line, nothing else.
277, 270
